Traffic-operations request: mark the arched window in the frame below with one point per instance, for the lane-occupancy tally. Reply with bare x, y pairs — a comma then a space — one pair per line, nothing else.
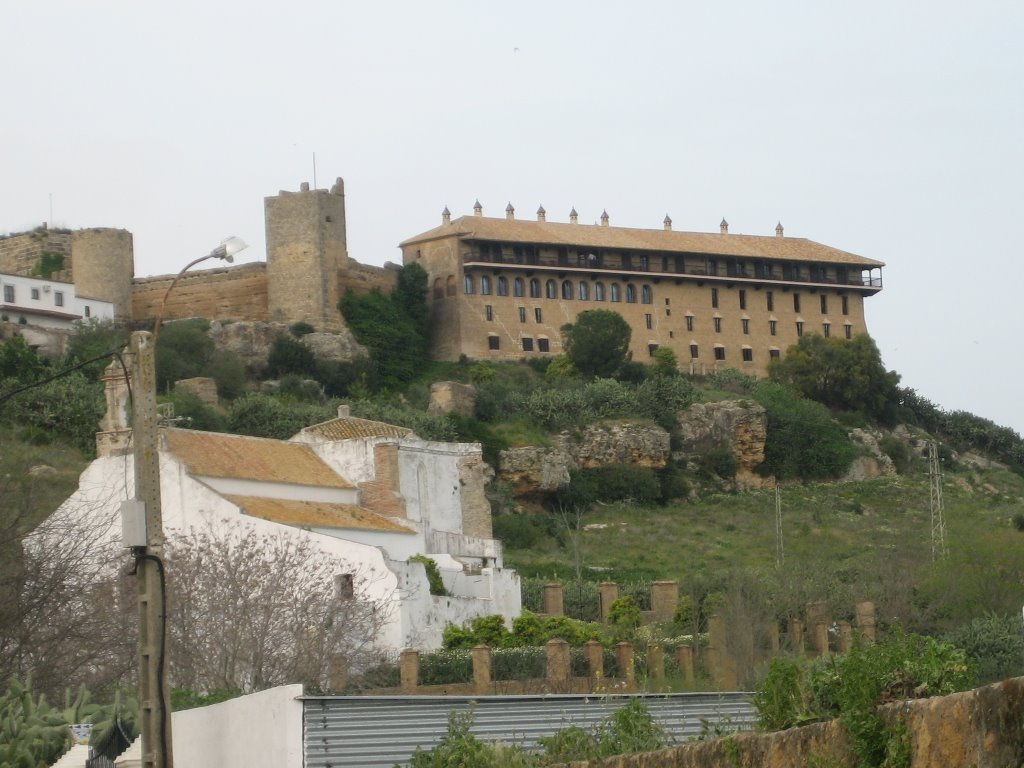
551, 289
485, 285
438, 289
566, 289
502, 286
584, 290
615, 296
535, 288
630, 293
598, 291
517, 287
450, 285
467, 284
645, 295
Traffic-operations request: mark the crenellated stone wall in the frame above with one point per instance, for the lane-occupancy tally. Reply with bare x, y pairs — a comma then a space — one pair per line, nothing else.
228, 293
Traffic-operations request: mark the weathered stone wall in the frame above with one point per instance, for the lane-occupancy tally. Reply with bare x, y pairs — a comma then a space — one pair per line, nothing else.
474, 474
102, 266
452, 397
20, 253
227, 293
363, 278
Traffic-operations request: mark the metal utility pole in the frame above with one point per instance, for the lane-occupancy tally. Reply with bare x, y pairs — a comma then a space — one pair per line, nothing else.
935, 502
154, 695
780, 554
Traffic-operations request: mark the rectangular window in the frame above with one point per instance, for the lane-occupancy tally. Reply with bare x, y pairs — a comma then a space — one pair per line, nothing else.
493, 342
538, 315
35, 294
718, 325
826, 329
694, 351
522, 314
824, 304
58, 298
542, 344
719, 353
748, 355
88, 312
773, 354
527, 344
770, 297
799, 328
743, 299
649, 321
796, 302
846, 304
849, 331
689, 322
746, 325
772, 326
651, 349
714, 298
489, 312
8, 293
668, 313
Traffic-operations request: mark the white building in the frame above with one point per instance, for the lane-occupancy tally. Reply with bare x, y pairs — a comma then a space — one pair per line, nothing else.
368, 493
47, 303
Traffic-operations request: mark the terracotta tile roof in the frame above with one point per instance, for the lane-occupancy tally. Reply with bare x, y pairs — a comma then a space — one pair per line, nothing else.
213, 454
624, 238
315, 514
349, 428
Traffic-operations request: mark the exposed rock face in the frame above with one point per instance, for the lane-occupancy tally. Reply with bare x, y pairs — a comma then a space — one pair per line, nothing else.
737, 426
874, 462
531, 469
202, 387
251, 341
452, 397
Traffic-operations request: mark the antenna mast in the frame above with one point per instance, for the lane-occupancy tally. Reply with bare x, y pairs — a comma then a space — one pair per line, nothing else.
935, 502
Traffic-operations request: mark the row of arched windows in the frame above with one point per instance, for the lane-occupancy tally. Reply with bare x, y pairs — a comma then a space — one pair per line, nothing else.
551, 289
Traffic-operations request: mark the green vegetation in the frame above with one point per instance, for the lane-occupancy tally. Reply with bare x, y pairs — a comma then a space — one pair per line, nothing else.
49, 262
597, 344
433, 574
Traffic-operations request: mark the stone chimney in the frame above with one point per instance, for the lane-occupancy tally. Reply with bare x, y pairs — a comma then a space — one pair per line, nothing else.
604, 218
344, 411
478, 210
778, 230
574, 218
542, 215
446, 216
724, 227
510, 212
304, 186
668, 223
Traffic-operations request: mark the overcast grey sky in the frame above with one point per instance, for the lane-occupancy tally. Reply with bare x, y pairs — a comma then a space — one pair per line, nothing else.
889, 129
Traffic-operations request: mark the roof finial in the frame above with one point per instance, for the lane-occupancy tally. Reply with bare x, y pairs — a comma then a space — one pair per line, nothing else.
510, 212
574, 218
478, 210
779, 230
446, 216
724, 227
604, 218
542, 215
668, 223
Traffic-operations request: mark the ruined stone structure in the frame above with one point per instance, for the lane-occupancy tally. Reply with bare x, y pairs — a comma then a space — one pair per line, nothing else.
503, 288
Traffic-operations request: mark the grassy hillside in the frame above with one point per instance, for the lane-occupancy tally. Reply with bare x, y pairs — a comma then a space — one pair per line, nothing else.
841, 542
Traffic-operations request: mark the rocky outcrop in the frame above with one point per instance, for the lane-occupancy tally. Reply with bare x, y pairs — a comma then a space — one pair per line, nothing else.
452, 397
737, 426
873, 461
251, 341
530, 470
202, 387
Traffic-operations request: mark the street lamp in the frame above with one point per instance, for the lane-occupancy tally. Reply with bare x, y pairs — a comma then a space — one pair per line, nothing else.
154, 696
225, 251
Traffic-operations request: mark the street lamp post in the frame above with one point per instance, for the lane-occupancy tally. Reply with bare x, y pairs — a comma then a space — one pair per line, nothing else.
154, 695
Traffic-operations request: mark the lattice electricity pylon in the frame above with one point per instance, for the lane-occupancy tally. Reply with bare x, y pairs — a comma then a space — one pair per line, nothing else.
780, 554
935, 502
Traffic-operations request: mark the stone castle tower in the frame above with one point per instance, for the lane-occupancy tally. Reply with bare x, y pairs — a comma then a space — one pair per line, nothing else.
306, 249
102, 267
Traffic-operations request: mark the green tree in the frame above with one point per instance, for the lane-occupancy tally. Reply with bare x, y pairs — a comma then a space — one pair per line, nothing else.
93, 338
183, 350
841, 373
289, 355
598, 342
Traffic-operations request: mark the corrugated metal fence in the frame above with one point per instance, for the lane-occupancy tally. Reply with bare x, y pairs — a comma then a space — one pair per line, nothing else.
369, 731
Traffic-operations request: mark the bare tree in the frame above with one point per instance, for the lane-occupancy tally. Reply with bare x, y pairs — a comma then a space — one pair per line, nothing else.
249, 611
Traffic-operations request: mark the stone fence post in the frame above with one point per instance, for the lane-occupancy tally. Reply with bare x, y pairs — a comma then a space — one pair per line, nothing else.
845, 636
820, 639
409, 670
664, 599
554, 599
684, 654
624, 656
607, 593
339, 672
482, 660
558, 663
656, 665
796, 636
865, 612
594, 653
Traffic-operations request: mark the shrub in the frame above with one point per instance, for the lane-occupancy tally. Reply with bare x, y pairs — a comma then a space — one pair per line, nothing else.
183, 350
92, 338
194, 414
522, 531
266, 416
898, 451
598, 342
612, 482
624, 614
993, 645
300, 329
289, 355
720, 462
437, 586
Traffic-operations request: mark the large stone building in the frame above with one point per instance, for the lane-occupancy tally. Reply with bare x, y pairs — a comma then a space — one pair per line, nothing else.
501, 288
